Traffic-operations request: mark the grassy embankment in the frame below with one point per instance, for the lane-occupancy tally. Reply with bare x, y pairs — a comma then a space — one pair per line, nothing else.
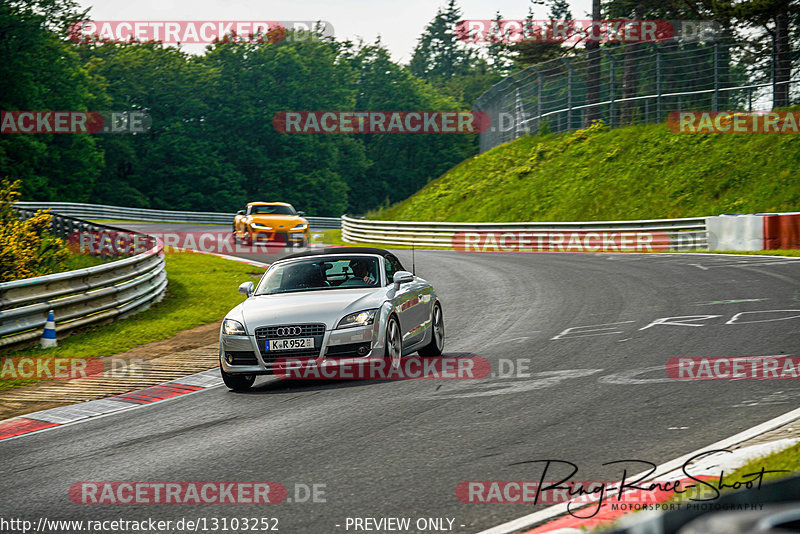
638, 172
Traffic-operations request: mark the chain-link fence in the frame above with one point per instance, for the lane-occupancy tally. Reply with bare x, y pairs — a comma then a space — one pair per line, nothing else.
630, 84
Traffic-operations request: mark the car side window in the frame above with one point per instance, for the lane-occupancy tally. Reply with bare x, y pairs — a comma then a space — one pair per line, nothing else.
392, 265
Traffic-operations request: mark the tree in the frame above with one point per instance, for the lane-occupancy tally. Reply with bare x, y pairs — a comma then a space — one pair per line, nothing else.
439, 52
593, 67
41, 71
400, 164
534, 52
774, 18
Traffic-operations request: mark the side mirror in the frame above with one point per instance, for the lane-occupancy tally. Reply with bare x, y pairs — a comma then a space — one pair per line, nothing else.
402, 277
240, 212
247, 288
301, 213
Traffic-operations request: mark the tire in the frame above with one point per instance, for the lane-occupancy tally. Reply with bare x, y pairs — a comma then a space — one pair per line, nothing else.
237, 382
436, 346
393, 351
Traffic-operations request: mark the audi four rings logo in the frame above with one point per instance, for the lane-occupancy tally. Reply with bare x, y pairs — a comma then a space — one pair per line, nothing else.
288, 331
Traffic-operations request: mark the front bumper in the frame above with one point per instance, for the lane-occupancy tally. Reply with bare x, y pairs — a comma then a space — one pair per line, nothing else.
290, 237
247, 354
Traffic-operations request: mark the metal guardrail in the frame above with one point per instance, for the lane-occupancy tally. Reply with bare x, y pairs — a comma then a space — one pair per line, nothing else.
106, 212
81, 297
675, 234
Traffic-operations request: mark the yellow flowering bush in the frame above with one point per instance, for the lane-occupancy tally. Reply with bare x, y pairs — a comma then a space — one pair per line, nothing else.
27, 248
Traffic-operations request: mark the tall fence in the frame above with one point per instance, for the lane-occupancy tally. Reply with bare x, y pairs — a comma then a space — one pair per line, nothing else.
84, 296
634, 83
106, 212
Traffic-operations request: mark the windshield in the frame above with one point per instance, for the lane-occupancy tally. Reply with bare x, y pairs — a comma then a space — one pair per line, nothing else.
321, 273
272, 210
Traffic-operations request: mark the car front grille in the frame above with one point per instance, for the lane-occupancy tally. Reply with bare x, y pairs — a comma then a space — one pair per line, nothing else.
288, 330
315, 330
271, 355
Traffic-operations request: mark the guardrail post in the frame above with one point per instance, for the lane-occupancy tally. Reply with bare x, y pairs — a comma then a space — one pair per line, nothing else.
569, 91
611, 88
538, 98
716, 76
658, 83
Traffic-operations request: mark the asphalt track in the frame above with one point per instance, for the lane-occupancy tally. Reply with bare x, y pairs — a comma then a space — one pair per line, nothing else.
400, 448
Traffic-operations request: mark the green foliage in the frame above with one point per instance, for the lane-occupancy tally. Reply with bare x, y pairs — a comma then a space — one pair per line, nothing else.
39, 71
26, 248
212, 145
455, 68
533, 52
640, 172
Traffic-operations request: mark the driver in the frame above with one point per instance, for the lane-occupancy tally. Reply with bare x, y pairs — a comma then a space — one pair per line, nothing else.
361, 271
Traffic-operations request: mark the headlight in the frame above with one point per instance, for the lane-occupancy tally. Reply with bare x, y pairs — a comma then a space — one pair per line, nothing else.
300, 227
233, 328
261, 226
362, 318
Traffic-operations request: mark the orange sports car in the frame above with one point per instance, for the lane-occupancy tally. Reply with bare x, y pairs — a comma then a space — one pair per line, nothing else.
275, 222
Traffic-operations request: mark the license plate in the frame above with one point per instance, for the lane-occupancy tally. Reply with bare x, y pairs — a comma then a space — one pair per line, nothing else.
290, 344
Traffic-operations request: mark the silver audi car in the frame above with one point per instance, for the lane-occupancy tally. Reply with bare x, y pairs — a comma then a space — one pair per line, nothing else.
329, 305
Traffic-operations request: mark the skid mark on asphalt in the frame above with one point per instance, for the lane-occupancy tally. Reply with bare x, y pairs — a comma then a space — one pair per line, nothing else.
772, 399
506, 386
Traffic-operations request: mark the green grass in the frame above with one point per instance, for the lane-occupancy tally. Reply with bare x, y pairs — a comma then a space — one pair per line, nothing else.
787, 460
638, 172
82, 261
202, 288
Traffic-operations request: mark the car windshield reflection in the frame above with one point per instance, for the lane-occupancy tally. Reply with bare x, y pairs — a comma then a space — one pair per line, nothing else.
316, 274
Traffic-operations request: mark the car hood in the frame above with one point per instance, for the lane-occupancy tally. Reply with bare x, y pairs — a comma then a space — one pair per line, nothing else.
325, 306
278, 221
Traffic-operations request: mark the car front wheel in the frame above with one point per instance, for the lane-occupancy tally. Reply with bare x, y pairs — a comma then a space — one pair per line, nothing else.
394, 343
436, 346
